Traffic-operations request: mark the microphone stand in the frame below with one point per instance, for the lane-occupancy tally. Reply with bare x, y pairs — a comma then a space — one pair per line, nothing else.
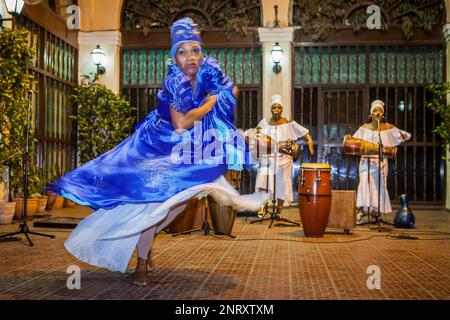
206, 228
23, 227
378, 219
274, 214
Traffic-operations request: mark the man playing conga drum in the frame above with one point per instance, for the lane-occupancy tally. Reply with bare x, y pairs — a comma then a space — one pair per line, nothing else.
285, 133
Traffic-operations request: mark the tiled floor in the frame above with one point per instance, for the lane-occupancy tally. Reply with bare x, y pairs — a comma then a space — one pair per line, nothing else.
261, 263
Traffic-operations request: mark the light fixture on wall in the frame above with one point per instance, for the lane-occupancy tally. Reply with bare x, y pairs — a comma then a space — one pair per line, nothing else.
276, 23
98, 57
277, 54
13, 7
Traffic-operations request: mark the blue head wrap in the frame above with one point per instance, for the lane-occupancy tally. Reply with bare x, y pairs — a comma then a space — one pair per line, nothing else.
184, 30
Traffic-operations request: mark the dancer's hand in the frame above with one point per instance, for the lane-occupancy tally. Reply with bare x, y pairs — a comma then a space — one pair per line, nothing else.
285, 149
210, 102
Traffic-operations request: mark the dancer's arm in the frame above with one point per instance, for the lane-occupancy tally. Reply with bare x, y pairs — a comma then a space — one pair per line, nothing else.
235, 91
186, 120
310, 143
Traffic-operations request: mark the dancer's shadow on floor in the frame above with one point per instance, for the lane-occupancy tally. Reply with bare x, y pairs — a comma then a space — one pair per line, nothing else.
105, 285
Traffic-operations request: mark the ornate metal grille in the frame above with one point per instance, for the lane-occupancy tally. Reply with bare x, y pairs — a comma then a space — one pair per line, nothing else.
230, 16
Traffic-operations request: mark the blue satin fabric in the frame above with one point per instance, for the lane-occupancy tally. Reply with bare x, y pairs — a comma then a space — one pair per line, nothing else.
141, 168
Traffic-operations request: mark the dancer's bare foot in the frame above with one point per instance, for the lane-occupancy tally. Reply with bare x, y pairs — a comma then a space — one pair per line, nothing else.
140, 273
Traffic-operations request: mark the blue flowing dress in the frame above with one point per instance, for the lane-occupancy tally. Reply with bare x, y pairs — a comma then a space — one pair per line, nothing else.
141, 168
133, 185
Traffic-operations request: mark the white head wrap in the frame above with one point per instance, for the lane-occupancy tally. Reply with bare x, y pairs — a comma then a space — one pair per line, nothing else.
375, 104
276, 99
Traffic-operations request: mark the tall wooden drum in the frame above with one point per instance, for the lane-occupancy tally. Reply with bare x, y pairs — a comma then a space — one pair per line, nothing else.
314, 197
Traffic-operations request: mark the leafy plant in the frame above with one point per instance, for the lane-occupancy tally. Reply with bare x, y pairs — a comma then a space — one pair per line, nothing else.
16, 181
104, 119
441, 92
15, 81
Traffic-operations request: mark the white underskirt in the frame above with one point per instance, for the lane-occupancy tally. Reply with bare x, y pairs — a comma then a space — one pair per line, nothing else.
107, 238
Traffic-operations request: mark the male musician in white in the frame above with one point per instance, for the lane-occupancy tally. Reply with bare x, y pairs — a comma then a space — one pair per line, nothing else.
285, 133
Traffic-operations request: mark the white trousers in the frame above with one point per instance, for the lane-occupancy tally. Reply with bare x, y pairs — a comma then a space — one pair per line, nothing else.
367, 197
146, 239
284, 164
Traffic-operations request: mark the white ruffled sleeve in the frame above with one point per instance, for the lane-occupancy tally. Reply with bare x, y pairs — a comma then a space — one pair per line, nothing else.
360, 133
262, 123
297, 131
395, 137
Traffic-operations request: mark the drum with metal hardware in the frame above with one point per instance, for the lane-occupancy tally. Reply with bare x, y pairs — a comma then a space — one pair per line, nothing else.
234, 177
314, 197
190, 218
222, 217
358, 147
291, 148
259, 143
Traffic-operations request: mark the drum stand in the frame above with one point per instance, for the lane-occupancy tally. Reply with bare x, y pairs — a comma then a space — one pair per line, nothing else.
205, 223
378, 219
274, 214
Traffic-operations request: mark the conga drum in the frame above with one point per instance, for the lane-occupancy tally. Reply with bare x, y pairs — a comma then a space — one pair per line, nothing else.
222, 216
234, 177
190, 218
259, 143
314, 197
357, 147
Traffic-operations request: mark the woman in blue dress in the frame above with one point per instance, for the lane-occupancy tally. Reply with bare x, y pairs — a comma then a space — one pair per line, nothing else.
179, 151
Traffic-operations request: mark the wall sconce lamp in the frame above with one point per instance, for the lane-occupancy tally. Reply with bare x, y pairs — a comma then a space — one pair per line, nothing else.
277, 53
98, 57
14, 7
276, 24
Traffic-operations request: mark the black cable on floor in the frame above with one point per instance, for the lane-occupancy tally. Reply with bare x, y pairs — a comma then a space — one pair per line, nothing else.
387, 236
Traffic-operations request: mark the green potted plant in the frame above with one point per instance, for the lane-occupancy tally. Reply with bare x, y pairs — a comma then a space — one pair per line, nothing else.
104, 119
438, 103
54, 201
15, 81
16, 180
7, 208
39, 194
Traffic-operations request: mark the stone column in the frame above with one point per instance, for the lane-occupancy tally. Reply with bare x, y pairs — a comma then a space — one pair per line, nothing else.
110, 42
280, 83
446, 31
